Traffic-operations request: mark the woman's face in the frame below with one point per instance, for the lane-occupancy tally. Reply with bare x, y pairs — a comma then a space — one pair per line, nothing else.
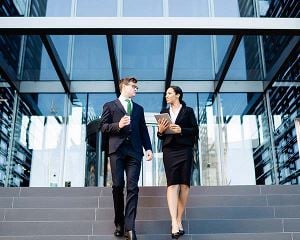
171, 96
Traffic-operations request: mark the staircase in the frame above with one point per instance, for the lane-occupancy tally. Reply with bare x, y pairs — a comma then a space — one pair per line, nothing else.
213, 213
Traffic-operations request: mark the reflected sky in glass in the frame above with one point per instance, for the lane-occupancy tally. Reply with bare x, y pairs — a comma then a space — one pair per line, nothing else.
142, 8
96, 8
143, 57
247, 62
191, 8
91, 59
37, 64
61, 44
228, 9
58, 8
151, 102
238, 69
96, 102
193, 58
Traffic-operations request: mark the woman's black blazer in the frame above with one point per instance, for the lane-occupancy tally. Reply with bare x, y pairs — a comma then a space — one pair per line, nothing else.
189, 129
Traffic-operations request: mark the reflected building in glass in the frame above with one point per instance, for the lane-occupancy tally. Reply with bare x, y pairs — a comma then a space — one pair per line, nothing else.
244, 90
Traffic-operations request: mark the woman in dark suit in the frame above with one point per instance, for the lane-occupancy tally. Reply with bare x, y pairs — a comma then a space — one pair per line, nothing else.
178, 154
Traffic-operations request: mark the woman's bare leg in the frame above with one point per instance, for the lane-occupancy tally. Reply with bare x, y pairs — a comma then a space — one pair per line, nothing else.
183, 197
172, 198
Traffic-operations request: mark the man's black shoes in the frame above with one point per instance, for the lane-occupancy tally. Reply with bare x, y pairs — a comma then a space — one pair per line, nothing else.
119, 232
130, 235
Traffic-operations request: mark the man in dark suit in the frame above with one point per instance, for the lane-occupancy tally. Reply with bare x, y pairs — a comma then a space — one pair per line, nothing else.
124, 123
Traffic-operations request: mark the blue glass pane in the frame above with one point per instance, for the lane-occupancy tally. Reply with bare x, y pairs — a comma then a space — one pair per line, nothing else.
222, 46
91, 59
50, 104
142, 8
151, 102
191, 100
61, 44
233, 104
193, 60
191, 8
96, 102
96, 8
143, 57
37, 64
247, 64
230, 9
58, 8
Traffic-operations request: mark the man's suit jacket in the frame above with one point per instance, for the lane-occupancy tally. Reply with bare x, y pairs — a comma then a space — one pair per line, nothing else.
137, 131
189, 129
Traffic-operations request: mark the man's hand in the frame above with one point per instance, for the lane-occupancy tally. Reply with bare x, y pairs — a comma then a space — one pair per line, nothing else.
149, 155
124, 121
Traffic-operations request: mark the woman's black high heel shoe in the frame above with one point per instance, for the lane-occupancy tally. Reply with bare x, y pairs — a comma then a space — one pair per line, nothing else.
175, 235
181, 232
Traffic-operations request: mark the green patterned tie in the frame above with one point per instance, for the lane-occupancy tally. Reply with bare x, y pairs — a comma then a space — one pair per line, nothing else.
129, 107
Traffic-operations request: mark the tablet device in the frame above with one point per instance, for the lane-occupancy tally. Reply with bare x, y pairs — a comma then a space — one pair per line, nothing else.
165, 116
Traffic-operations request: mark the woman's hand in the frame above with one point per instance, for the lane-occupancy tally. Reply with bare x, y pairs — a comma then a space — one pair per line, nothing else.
162, 125
175, 128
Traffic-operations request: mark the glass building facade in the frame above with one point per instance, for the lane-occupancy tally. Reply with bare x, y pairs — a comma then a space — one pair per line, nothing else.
244, 89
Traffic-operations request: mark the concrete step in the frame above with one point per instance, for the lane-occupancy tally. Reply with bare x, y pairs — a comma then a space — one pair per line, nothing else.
230, 236
153, 213
150, 191
150, 227
151, 201
229, 212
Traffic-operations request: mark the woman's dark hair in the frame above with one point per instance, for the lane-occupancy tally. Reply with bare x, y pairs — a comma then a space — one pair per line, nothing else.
178, 90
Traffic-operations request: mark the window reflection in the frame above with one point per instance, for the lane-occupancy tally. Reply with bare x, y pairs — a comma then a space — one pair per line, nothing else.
191, 8
142, 8
96, 8
91, 59
193, 59
143, 57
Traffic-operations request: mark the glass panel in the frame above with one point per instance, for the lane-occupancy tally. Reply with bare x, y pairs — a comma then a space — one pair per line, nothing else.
247, 62
234, 8
97, 162
152, 173
142, 8
96, 8
273, 48
143, 57
193, 58
75, 143
191, 8
285, 109
96, 102
91, 59
37, 64
230, 9
222, 44
10, 46
243, 131
53, 8
6, 127
61, 44
39, 138
208, 142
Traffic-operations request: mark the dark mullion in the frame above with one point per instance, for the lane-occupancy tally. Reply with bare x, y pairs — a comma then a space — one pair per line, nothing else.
227, 60
55, 59
170, 66
113, 62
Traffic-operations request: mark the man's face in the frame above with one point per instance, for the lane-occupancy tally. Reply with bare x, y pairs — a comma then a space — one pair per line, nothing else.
129, 90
